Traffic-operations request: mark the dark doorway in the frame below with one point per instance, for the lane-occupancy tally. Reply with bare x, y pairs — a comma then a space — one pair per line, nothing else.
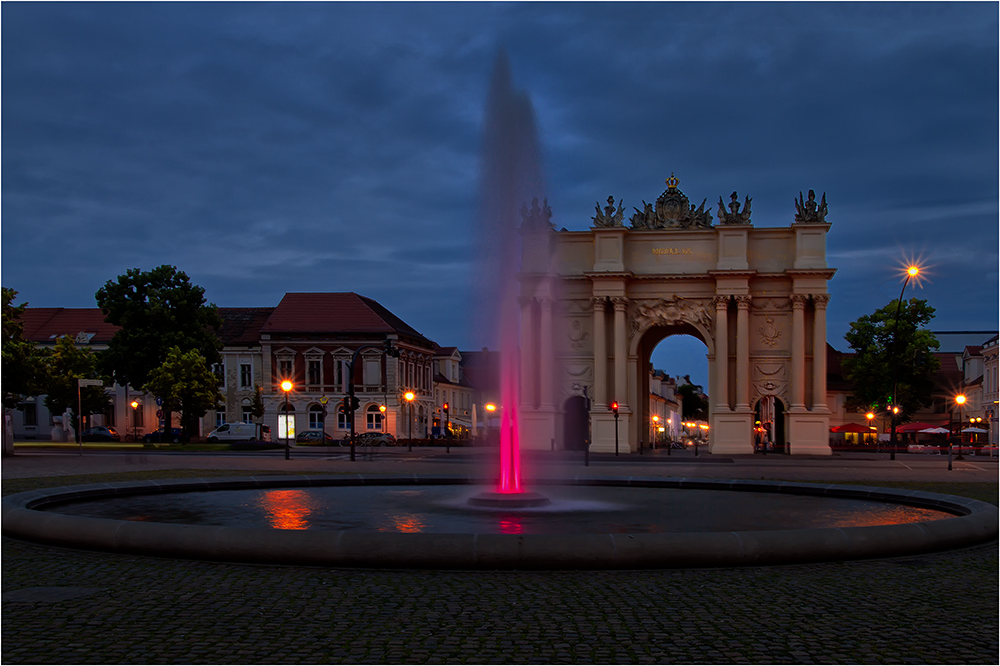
769, 417
576, 424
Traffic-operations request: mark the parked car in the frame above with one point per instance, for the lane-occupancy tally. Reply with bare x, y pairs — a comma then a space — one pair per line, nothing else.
101, 434
376, 439
175, 435
240, 432
315, 438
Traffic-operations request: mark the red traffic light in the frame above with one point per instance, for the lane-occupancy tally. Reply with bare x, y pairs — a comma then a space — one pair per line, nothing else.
445, 406
614, 407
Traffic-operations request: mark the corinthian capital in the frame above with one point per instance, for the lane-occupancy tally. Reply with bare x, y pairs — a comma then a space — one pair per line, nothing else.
820, 300
721, 301
620, 303
798, 300
743, 301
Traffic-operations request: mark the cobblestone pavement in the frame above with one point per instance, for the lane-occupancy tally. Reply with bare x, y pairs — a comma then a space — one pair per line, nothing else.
67, 606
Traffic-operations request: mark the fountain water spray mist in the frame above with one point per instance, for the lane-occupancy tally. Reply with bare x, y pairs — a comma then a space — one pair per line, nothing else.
510, 177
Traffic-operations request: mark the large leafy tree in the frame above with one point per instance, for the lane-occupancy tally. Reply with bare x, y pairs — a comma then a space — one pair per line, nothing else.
186, 384
24, 364
885, 352
156, 310
693, 405
67, 364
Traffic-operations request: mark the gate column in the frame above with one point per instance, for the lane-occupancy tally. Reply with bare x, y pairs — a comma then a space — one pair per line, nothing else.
819, 352
722, 353
743, 354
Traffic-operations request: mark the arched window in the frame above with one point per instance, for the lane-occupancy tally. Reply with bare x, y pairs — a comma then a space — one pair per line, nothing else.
374, 415
315, 417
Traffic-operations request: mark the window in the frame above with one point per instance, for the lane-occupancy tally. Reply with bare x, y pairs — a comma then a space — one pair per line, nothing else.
315, 417
374, 419
220, 418
286, 422
247, 414
30, 411
246, 375
219, 370
109, 414
342, 421
284, 368
314, 375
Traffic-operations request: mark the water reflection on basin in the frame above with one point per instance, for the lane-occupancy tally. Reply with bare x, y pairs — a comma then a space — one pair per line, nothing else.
443, 509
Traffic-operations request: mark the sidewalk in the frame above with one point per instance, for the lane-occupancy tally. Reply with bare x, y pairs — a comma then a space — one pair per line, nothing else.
847, 467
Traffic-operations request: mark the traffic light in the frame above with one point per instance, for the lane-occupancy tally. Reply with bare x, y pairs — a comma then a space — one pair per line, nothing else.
614, 408
445, 408
346, 404
355, 403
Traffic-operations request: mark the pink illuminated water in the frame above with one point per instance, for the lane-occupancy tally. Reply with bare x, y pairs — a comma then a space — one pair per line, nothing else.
510, 450
510, 178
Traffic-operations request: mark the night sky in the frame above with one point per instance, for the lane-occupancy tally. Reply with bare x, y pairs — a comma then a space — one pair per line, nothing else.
268, 148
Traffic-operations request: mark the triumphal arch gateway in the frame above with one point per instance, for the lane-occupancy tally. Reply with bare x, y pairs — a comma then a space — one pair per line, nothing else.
595, 303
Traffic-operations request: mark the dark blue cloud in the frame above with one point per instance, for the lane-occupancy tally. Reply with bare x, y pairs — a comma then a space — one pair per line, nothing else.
272, 147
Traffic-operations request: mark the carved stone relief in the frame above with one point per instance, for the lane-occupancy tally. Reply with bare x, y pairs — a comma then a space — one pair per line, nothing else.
769, 333
769, 378
577, 335
670, 311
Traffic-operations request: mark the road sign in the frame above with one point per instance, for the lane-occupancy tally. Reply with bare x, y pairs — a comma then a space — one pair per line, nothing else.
159, 413
90, 382
159, 402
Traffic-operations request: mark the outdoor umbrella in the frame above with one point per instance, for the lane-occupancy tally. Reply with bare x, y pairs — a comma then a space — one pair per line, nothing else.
936, 431
914, 427
851, 427
975, 430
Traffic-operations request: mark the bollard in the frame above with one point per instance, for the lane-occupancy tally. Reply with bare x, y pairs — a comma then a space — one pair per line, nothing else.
640, 447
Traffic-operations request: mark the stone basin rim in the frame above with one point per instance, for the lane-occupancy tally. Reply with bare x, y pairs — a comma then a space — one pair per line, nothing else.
25, 517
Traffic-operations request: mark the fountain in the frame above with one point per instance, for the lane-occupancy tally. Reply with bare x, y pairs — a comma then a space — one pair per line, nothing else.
510, 175
636, 527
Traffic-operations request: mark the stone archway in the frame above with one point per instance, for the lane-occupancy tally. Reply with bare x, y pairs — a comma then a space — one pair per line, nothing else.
756, 297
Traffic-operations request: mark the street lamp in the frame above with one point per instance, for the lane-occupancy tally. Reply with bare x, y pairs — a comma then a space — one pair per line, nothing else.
656, 423
381, 409
614, 408
870, 416
286, 386
408, 397
960, 401
135, 407
912, 271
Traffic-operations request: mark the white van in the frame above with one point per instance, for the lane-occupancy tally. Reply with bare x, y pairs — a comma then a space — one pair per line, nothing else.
240, 432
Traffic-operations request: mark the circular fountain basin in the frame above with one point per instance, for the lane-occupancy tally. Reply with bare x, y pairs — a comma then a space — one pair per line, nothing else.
426, 522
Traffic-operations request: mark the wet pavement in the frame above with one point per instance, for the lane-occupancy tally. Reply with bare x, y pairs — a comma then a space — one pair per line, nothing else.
68, 606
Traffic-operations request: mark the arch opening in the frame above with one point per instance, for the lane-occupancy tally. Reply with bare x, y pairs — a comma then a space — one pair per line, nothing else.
671, 356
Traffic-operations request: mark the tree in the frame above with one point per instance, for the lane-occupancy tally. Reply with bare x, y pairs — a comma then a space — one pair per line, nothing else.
257, 406
693, 405
884, 352
67, 364
186, 384
156, 310
24, 364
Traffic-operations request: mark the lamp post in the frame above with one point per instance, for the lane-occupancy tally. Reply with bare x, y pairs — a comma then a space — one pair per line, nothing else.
911, 271
656, 424
960, 401
135, 407
286, 386
870, 416
381, 409
614, 408
408, 397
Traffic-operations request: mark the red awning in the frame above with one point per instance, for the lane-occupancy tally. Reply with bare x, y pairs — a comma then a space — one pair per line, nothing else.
851, 427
